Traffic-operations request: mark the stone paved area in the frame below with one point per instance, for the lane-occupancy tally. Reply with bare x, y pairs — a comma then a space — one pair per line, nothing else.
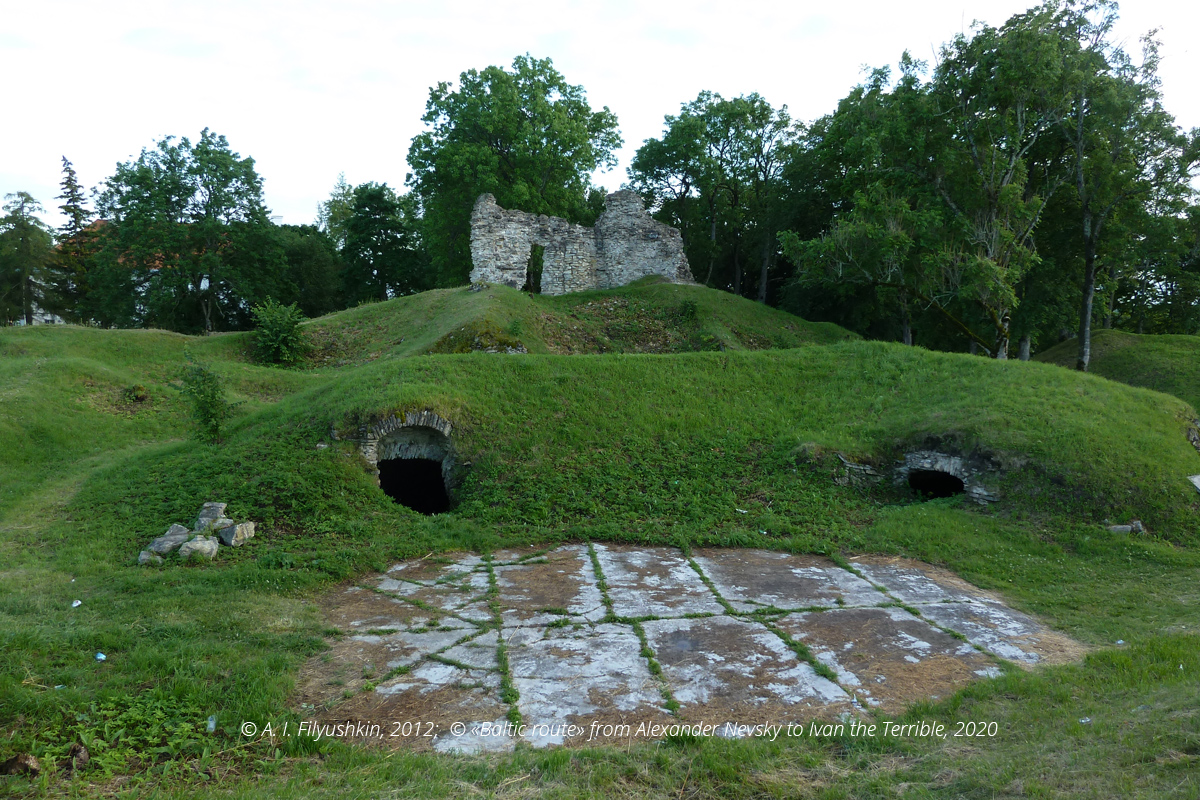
602, 636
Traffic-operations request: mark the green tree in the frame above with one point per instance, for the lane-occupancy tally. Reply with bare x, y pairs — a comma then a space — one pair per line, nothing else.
188, 234
332, 214
383, 253
526, 136
716, 174
314, 266
67, 273
1126, 153
26, 245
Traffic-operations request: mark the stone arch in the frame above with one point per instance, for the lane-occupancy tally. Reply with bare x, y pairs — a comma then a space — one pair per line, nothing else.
416, 436
923, 467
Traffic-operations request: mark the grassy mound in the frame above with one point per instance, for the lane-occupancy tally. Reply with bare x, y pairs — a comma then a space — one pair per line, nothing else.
1169, 364
650, 316
734, 448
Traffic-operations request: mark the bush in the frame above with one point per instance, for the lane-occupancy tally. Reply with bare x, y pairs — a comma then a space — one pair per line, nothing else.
202, 387
277, 335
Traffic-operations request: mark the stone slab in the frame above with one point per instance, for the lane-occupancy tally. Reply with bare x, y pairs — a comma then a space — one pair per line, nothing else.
914, 582
886, 657
543, 590
437, 569
653, 581
594, 674
752, 579
725, 669
1005, 632
462, 594
354, 609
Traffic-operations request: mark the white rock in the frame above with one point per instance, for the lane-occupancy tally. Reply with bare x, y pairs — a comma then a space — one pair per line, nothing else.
204, 546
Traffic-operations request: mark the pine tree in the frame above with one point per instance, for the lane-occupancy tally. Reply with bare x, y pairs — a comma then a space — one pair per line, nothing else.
68, 272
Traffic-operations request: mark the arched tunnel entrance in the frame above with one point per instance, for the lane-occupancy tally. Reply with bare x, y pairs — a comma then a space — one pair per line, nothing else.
416, 483
415, 463
931, 484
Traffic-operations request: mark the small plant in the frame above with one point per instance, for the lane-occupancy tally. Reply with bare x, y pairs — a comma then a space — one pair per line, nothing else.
209, 408
277, 335
136, 393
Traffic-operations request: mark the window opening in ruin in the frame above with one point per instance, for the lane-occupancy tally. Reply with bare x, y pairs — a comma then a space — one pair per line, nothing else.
533, 272
931, 484
416, 483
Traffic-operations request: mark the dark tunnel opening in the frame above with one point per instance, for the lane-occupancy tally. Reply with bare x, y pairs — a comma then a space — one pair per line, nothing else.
416, 483
931, 484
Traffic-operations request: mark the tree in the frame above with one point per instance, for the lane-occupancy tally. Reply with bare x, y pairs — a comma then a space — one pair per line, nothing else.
333, 213
383, 254
314, 266
526, 136
718, 169
188, 234
25, 247
67, 279
965, 152
1125, 149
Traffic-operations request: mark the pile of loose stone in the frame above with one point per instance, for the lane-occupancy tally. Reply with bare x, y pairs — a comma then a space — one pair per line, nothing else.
210, 530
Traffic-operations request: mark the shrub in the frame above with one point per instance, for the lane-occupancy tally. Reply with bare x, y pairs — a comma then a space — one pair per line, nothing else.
277, 335
209, 408
137, 393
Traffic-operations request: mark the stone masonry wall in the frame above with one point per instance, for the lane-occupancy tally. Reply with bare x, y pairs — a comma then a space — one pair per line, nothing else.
626, 244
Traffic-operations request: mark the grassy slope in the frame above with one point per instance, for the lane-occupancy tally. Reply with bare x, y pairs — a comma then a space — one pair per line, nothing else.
648, 316
635, 447
1169, 364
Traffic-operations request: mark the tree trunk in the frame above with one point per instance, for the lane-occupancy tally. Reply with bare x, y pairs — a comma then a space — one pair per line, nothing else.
1085, 310
762, 277
905, 322
712, 238
1024, 348
27, 295
737, 266
1112, 296
974, 348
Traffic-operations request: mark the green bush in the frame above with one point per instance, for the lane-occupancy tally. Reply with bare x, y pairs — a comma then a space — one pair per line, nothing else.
209, 408
277, 335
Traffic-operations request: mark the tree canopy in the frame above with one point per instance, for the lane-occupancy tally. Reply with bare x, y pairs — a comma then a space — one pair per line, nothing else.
526, 136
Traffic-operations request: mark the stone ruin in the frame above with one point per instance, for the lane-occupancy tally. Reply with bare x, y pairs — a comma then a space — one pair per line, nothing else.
626, 244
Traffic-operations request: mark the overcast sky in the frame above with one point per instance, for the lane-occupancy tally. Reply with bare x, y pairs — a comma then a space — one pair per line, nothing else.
314, 89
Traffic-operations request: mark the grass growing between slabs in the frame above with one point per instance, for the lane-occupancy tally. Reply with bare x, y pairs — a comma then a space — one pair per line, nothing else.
718, 448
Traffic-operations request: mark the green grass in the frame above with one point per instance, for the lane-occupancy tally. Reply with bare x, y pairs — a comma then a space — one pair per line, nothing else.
1168, 364
629, 447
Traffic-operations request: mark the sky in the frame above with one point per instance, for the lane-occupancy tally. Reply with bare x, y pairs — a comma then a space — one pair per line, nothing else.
311, 90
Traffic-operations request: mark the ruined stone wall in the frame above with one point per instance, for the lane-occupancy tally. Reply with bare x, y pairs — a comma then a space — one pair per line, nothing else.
630, 244
626, 244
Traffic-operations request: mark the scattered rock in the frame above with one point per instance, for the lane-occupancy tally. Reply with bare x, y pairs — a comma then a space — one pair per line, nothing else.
21, 764
204, 546
77, 758
236, 535
1120, 529
175, 536
210, 528
1137, 526
209, 513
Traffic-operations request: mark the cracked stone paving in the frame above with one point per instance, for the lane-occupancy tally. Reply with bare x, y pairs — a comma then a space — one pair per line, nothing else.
588, 644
